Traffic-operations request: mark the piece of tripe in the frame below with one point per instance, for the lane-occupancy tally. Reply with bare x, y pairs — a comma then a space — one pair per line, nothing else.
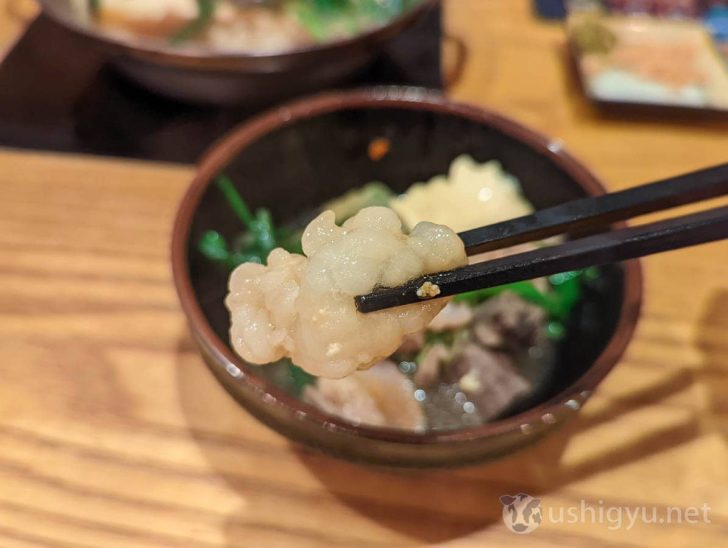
303, 307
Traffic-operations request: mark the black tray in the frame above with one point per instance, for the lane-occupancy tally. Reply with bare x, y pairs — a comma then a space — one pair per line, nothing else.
58, 94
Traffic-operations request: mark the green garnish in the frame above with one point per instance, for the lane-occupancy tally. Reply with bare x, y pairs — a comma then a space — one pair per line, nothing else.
526, 290
256, 243
558, 303
205, 13
94, 6
317, 16
253, 246
260, 225
214, 246
555, 330
264, 231
299, 378
381, 10
233, 198
327, 19
566, 291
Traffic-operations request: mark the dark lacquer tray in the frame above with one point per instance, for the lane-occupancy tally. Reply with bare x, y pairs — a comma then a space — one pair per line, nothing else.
56, 93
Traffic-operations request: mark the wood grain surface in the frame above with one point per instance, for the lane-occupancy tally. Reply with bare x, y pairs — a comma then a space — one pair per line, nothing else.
113, 433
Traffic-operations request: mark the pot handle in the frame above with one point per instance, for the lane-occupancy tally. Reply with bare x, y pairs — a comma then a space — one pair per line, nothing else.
455, 56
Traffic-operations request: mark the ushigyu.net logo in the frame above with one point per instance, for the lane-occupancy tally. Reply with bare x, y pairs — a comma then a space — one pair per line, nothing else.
523, 513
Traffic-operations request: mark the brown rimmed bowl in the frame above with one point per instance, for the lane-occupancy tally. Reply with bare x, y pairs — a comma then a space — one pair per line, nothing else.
294, 158
201, 76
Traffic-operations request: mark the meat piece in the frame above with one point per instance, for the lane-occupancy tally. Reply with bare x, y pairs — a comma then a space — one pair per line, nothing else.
303, 307
453, 316
516, 321
145, 10
488, 378
158, 19
380, 396
430, 364
448, 408
487, 335
345, 398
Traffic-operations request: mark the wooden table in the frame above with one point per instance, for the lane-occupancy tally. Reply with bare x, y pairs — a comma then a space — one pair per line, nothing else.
113, 433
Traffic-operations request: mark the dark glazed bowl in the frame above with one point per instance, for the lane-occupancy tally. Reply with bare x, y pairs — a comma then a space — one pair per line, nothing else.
198, 76
293, 158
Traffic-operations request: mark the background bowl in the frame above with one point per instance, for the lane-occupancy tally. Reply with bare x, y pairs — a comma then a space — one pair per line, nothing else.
199, 76
294, 158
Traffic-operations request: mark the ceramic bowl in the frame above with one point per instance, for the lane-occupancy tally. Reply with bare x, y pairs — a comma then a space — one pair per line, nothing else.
199, 76
294, 158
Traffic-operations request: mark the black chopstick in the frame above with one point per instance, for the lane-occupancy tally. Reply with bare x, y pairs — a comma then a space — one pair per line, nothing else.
600, 211
608, 247
614, 246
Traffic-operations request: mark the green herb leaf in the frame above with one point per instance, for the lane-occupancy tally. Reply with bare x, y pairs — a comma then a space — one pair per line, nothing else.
555, 330
205, 13
254, 245
525, 289
566, 292
214, 246
264, 231
236, 202
381, 10
299, 378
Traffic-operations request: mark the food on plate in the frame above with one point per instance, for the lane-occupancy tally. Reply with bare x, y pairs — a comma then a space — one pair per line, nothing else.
437, 365
380, 396
302, 306
648, 60
244, 26
470, 195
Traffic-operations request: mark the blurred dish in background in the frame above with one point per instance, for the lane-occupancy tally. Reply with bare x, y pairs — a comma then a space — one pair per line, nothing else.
249, 26
260, 54
645, 60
